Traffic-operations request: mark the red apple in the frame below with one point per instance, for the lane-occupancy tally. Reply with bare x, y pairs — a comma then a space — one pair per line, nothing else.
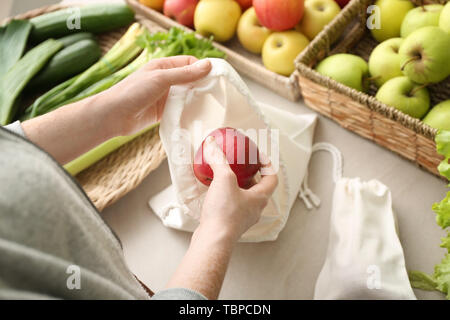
241, 153
342, 3
279, 15
245, 4
181, 10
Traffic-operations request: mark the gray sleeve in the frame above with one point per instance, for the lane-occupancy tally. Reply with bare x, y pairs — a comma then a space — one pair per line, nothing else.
16, 127
53, 241
178, 294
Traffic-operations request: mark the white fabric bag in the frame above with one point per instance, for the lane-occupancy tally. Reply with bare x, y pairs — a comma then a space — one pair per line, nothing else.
365, 257
222, 99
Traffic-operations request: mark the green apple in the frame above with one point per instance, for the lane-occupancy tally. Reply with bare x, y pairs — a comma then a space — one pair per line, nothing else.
423, 16
318, 13
444, 19
439, 116
391, 16
425, 55
250, 32
384, 62
280, 50
406, 96
347, 69
218, 18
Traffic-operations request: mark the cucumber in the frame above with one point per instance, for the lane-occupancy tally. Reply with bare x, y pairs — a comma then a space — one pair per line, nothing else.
73, 38
68, 62
93, 18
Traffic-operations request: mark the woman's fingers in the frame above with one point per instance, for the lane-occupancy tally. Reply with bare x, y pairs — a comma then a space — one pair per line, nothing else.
184, 74
172, 62
214, 156
268, 182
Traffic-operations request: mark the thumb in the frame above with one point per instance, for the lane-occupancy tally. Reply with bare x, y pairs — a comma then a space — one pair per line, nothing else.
188, 73
215, 157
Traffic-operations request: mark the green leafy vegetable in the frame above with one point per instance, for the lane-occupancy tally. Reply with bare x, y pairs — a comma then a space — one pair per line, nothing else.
179, 42
13, 39
12, 84
443, 147
442, 275
442, 210
440, 279
423, 281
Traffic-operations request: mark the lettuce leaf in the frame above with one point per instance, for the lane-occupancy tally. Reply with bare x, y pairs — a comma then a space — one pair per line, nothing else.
440, 279
442, 276
446, 242
442, 140
423, 281
442, 210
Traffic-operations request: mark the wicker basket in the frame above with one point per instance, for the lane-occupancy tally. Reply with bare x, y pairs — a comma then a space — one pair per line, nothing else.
360, 112
245, 62
124, 169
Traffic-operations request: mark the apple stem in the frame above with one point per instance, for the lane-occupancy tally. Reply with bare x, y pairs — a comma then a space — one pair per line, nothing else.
422, 5
413, 91
373, 78
408, 61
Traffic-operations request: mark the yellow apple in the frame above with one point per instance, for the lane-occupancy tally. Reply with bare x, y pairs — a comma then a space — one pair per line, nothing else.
250, 32
280, 50
391, 14
154, 4
218, 18
318, 13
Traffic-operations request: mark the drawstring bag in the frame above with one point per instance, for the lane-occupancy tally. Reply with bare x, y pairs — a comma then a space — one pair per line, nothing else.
222, 99
364, 258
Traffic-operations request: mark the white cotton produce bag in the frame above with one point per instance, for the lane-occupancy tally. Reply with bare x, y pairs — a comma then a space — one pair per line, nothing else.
365, 257
222, 99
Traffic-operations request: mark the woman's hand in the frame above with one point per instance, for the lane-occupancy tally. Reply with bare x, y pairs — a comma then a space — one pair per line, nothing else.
228, 207
128, 107
138, 101
228, 211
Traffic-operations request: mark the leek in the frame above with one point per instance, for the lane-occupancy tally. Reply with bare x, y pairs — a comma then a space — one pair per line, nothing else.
117, 57
12, 84
108, 82
92, 156
13, 39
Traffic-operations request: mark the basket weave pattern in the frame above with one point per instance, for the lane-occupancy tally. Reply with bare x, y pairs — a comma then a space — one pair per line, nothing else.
124, 169
361, 112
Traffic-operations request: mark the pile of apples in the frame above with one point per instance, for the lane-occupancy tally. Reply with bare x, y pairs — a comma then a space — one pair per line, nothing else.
278, 30
413, 53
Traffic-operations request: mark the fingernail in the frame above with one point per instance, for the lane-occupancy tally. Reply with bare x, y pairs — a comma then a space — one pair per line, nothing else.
264, 159
210, 139
203, 64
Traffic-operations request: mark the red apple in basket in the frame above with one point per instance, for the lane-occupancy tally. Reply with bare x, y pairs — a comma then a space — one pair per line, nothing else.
279, 15
181, 11
241, 153
245, 4
342, 3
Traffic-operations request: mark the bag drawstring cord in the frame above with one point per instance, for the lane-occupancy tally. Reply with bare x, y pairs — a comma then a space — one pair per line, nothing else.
310, 199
